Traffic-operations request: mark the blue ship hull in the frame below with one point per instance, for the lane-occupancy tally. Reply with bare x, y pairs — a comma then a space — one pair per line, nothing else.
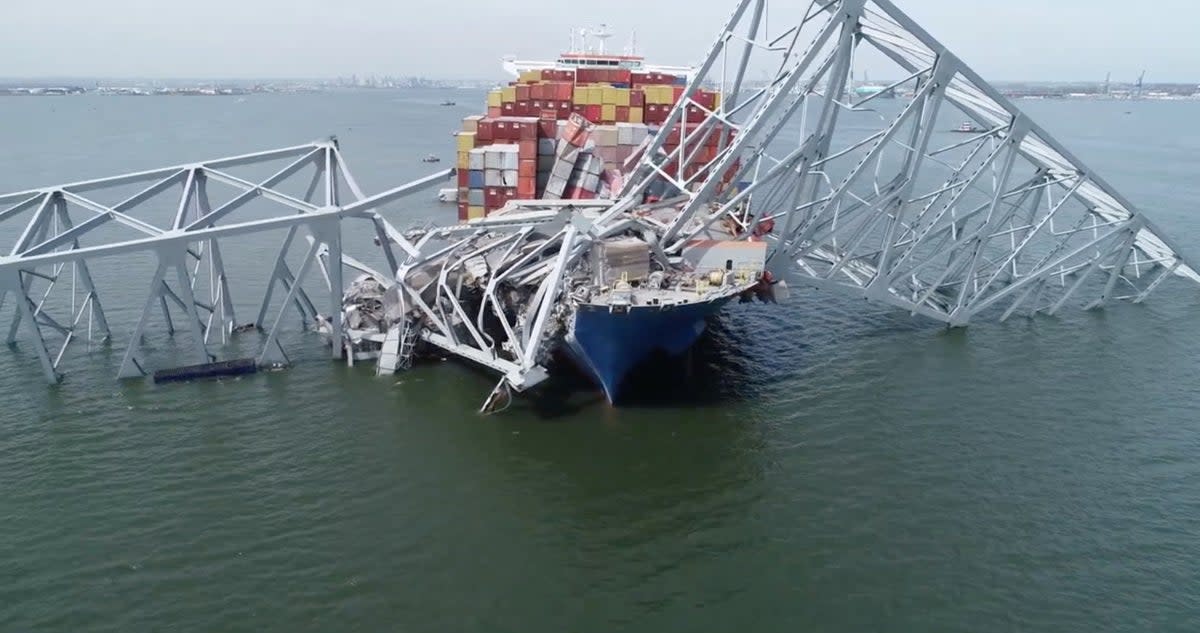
608, 344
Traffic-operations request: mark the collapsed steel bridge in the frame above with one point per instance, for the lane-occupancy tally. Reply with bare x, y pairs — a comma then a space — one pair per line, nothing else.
864, 190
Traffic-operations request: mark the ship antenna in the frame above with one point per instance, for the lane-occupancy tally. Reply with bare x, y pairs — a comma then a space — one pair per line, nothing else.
603, 34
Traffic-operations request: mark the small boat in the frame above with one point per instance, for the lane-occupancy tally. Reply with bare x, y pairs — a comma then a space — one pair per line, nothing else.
449, 103
968, 127
431, 159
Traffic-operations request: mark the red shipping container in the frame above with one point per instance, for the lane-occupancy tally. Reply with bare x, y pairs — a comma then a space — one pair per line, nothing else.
548, 115
494, 112
579, 109
493, 197
622, 75
593, 113
502, 130
639, 78
527, 188
678, 92
462, 210
509, 193
486, 131
509, 109
565, 92
547, 128
527, 131
464, 179
527, 148
673, 137
528, 166
524, 93
622, 114
637, 99
696, 115
578, 193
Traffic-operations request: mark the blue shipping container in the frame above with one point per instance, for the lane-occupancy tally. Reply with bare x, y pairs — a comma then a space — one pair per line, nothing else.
475, 179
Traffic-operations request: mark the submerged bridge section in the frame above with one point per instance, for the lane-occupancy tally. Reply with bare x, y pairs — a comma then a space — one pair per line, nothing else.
931, 193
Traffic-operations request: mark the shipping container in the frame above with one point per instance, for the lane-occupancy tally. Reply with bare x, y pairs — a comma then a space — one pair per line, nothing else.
486, 132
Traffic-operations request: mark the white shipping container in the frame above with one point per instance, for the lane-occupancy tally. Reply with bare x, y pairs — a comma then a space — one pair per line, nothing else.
562, 170
476, 159
555, 188
510, 156
492, 178
590, 182
509, 177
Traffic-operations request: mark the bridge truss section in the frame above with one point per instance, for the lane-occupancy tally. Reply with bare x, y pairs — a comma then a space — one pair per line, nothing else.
930, 192
182, 219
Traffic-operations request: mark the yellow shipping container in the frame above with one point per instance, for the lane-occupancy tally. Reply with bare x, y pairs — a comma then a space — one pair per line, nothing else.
653, 95
584, 95
496, 98
716, 102
608, 112
466, 141
609, 95
637, 115
595, 95
528, 76
509, 94
464, 160
622, 97
474, 213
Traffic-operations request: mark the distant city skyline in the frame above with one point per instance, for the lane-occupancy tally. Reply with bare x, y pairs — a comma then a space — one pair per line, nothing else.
1026, 40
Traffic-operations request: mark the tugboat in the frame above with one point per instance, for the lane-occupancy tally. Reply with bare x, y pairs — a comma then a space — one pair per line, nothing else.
968, 127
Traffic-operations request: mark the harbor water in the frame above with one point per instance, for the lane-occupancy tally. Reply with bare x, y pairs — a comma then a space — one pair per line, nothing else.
825, 465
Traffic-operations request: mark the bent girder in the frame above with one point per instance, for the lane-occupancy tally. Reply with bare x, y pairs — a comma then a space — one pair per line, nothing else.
882, 201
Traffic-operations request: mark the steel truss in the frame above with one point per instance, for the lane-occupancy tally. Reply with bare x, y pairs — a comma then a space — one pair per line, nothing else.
46, 272
879, 200
855, 191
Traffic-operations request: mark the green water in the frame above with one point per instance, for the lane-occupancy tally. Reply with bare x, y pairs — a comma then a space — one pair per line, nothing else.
826, 466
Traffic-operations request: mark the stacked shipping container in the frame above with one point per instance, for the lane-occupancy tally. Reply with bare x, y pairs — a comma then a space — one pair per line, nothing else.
568, 134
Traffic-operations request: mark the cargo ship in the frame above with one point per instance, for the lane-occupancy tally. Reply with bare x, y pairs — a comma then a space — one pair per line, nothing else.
572, 129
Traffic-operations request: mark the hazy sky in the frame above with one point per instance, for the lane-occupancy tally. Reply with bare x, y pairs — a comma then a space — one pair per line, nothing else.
1002, 39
